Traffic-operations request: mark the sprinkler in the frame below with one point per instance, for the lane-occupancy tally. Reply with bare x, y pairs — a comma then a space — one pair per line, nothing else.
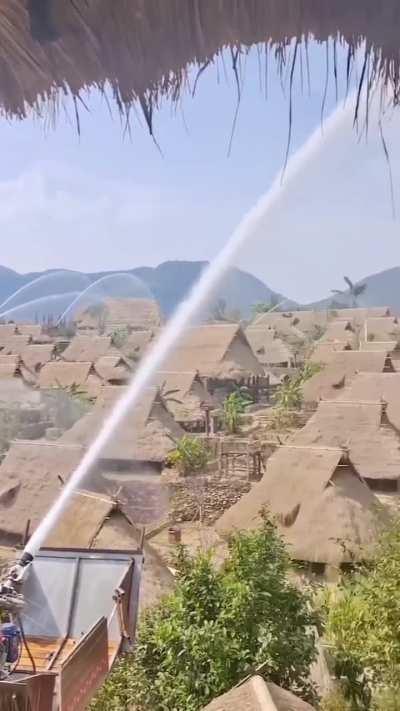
11, 605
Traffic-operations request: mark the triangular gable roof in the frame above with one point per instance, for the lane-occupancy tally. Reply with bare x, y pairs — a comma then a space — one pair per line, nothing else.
30, 329
144, 435
324, 511
268, 349
339, 371
35, 355
80, 521
59, 373
14, 344
184, 394
29, 482
87, 348
113, 368
255, 694
209, 349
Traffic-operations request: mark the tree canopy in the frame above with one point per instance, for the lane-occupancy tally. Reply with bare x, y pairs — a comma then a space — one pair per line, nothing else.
218, 626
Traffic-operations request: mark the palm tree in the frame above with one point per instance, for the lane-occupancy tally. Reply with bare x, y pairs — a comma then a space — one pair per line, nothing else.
354, 290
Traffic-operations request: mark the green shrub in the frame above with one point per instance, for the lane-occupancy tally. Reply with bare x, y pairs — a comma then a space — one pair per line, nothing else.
190, 455
234, 407
216, 628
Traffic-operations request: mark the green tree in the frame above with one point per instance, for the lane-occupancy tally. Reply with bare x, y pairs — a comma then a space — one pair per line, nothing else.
119, 337
289, 395
234, 407
264, 307
218, 626
363, 622
353, 290
190, 455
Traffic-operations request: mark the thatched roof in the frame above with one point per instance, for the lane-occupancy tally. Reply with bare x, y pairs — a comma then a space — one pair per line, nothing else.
88, 520
30, 329
114, 314
304, 321
50, 48
113, 369
219, 351
373, 447
136, 344
145, 434
381, 329
358, 315
29, 482
324, 510
13, 344
376, 387
256, 694
184, 395
268, 349
87, 349
7, 330
12, 368
61, 374
386, 346
325, 352
35, 355
340, 330
328, 383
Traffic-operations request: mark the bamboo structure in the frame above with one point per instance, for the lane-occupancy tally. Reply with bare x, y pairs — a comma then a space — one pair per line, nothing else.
141, 50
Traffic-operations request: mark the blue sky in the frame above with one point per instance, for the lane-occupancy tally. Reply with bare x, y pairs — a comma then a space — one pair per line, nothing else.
108, 202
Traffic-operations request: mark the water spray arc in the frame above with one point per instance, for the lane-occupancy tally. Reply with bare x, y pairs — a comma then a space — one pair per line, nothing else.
37, 302
105, 278
186, 312
38, 280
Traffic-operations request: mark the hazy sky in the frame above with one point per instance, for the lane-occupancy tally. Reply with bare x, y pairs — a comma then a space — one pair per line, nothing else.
109, 202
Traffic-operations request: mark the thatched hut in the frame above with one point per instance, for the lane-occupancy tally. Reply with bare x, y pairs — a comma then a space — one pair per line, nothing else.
363, 428
136, 345
31, 479
34, 330
324, 353
358, 315
35, 356
61, 374
52, 48
94, 521
145, 436
114, 315
13, 345
87, 349
255, 694
113, 369
306, 322
186, 398
376, 387
340, 331
338, 373
381, 329
269, 350
326, 513
220, 353
7, 330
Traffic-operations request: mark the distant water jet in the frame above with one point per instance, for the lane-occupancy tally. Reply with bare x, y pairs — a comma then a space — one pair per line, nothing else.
131, 279
187, 310
47, 278
37, 302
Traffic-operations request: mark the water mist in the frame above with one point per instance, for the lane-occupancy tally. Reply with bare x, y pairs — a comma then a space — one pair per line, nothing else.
188, 309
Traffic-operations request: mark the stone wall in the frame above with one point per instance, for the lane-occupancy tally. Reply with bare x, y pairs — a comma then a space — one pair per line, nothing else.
205, 498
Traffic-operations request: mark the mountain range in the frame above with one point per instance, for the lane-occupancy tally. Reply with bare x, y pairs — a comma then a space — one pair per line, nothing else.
169, 283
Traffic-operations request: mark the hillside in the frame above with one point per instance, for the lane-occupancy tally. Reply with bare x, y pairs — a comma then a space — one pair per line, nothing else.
383, 289
169, 283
